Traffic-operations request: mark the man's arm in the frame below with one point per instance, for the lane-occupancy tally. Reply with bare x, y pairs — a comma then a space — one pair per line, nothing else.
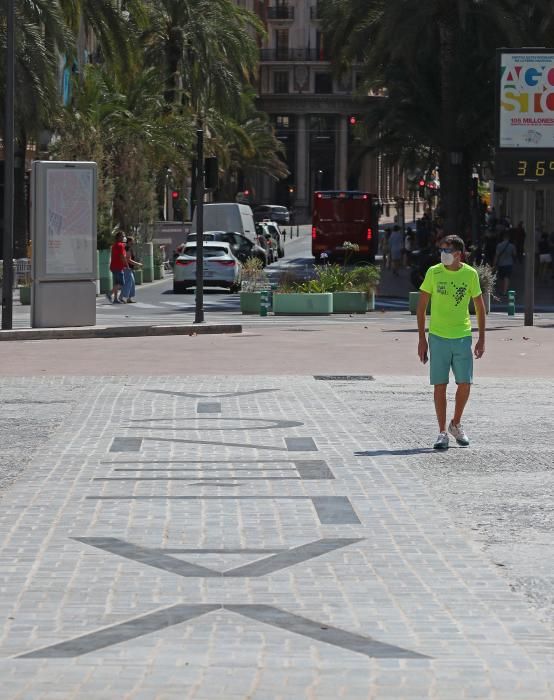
481, 323
422, 348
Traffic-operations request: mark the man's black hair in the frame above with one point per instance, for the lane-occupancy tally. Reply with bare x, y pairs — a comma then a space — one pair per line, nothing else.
455, 242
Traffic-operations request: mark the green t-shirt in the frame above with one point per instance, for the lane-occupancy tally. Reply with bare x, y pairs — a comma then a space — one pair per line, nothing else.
450, 294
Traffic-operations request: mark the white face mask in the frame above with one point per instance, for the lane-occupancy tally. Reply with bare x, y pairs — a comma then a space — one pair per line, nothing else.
447, 259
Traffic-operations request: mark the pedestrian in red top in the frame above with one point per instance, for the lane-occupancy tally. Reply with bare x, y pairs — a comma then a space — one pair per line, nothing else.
118, 263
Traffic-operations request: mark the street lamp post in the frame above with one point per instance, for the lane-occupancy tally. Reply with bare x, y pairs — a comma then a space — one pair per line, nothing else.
199, 314
7, 253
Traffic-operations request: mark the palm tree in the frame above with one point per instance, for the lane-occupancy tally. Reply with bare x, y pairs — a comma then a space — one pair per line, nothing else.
114, 29
40, 36
121, 124
444, 49
205, 49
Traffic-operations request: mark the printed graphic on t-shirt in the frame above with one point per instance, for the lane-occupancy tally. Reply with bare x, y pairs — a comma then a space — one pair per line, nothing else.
459, 293
442, 288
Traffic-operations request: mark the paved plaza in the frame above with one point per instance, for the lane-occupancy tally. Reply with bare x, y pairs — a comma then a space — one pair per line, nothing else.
268, 537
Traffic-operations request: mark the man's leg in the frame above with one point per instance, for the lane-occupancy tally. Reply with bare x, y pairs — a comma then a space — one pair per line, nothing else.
440, 406
462, 396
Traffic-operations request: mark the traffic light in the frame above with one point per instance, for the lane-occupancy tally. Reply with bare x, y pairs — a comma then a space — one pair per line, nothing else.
352, 120
421, 185
177, 208
211, 173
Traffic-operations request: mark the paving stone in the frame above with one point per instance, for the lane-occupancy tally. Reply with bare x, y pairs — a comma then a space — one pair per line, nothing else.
266, 574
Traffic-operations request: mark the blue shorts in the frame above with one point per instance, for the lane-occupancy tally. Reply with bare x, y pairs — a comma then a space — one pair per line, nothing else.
449, 353
118, 278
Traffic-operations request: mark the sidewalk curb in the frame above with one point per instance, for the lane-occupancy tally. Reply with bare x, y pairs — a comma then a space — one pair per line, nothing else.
116, 332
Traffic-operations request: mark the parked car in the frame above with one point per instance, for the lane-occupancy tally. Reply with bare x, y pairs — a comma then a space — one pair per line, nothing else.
242, 247
221, 267
278, 236
272, 212
266, 241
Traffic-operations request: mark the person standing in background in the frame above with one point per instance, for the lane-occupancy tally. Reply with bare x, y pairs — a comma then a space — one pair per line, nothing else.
519, 240
396, 245
128, 274
504, 259
118, 263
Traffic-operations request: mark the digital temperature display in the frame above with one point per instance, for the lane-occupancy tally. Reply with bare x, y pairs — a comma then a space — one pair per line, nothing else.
523, 166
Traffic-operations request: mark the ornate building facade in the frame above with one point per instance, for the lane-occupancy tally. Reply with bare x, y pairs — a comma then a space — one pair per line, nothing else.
313, 112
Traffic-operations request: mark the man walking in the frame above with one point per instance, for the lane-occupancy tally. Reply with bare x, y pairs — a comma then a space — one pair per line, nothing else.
449, 286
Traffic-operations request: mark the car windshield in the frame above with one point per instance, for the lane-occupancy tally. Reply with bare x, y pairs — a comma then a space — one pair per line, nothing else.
272, 229
211, 252
279, 210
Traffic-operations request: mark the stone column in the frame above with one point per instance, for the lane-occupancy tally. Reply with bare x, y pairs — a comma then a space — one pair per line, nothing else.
302, 203
341, 153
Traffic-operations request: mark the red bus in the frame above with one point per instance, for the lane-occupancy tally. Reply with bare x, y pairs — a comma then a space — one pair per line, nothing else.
338, 217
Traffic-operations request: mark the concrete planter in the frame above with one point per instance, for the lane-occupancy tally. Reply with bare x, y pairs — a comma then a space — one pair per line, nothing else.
299, 304
353, 302
103, 272
413, 301
159, 272
139, 279
147, 260
25, 295
486, 299
250, 302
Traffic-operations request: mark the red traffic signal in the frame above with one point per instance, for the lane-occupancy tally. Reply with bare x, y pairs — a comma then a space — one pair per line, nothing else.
175, 194
352, 120
422, 183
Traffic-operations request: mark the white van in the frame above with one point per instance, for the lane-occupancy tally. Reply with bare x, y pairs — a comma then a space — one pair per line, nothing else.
228, 216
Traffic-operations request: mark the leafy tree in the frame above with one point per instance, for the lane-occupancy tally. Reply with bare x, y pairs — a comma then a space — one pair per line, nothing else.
40, 34
435, 62
123, 127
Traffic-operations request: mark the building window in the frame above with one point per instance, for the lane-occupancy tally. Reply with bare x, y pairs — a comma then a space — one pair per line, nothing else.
323, 83
282, 121
281, 82
281, 44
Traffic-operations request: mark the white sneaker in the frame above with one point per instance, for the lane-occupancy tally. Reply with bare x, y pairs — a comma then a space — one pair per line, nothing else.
441, 443
458, 432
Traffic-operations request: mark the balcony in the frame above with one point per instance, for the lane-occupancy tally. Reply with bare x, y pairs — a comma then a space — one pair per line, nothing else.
315, 12
280, 12
294, 55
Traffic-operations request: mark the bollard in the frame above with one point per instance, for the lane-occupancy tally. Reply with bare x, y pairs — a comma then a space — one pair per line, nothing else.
264, 302
511, 302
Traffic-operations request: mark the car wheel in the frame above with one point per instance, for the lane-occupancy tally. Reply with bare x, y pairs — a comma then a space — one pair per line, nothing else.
179, 288
282, 253
234, 288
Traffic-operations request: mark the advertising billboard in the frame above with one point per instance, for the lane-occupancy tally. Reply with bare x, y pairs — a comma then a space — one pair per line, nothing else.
526, 99
70, 235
